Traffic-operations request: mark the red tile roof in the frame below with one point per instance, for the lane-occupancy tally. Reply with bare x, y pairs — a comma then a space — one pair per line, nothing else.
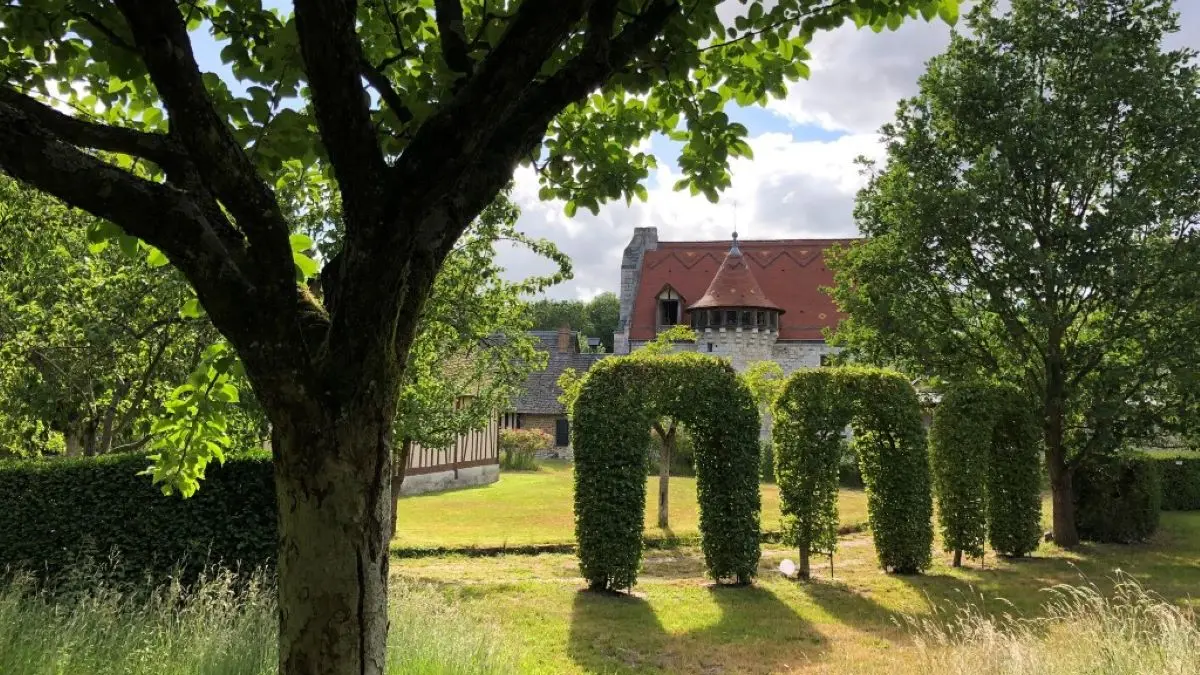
789, 271
734, 285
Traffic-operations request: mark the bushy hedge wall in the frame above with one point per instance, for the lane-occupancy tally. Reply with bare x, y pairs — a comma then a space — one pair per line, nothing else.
960, 443
1014, 486
618, 401
984, 446
1117, 499
1180, 483
889, 440
56, 512
809, 416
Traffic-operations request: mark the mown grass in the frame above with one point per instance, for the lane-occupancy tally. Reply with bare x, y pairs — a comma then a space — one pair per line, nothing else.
537, 508
850, 622
218, 628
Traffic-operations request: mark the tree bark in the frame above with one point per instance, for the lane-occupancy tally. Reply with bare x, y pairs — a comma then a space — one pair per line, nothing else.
333, 482
803, 570
1061, 488
664, 474
957, 557
399, 464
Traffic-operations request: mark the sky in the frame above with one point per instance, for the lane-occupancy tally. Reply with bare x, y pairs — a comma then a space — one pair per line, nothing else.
801, 182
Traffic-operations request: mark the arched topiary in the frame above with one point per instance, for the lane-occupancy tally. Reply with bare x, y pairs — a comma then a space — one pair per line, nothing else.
618, 401
810, 416
1014, 487
960, 442
889, 440
984, 448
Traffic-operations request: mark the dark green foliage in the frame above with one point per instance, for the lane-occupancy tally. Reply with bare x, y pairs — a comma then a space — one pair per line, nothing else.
55, 512
960, 441
1180, 483
984, 446
1117, 499
849, 475
618, 401
890, 443
809, 417
766, 461
1014, 476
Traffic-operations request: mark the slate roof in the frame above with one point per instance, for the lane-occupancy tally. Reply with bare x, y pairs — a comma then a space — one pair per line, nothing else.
541, 389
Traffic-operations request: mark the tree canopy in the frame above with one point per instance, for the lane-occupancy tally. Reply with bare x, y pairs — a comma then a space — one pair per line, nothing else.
596, 318
1036, 221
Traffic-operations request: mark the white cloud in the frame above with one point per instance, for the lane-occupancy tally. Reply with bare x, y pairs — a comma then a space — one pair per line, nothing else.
791, 189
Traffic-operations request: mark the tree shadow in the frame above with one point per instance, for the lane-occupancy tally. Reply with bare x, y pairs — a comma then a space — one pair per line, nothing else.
848, 605
755, 632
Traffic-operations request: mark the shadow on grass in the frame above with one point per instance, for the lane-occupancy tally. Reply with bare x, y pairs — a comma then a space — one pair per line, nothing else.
755, 633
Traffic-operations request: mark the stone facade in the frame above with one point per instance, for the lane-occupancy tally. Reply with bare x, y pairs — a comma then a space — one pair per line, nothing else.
644, 239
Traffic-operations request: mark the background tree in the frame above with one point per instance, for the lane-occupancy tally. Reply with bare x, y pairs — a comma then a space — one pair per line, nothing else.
595, 318
1036, 220
460, 92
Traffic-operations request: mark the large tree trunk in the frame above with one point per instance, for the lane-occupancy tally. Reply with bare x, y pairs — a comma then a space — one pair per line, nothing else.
333, 477
1061, 488
804, 572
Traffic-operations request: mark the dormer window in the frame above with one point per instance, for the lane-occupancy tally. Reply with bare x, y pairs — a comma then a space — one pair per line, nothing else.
670, 307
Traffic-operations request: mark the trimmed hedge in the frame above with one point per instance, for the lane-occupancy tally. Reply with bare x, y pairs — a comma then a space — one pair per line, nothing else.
618, 401
1118, 499
57, 512
984, 446
889, 440
1180, 483
809, 416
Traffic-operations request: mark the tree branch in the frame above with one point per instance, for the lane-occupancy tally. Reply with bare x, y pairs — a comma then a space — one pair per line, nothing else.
453, 32
157, 148
333, 61
160, 33
383, 86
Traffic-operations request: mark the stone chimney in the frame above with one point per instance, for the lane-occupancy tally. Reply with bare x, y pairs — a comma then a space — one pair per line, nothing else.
564, 339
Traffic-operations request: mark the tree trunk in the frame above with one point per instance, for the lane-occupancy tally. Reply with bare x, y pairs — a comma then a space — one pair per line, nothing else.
333, 477
957, 557
664, 477
400, 462
1061, 489
803, 570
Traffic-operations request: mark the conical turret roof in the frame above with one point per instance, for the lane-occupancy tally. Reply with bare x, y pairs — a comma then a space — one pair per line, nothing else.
734, 286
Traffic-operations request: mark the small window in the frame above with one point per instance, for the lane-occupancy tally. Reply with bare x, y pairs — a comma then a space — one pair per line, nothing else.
730, 318
761, 320
562, 433
670, 312
747, 318
710, 347
774, 319
714, 317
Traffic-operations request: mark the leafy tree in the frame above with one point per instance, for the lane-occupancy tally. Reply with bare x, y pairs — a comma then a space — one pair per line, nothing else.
597, 317
766, 381
91, 341
1036, 221
459, 94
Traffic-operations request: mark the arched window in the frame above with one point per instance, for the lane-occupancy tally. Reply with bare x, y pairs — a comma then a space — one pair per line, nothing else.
670, 308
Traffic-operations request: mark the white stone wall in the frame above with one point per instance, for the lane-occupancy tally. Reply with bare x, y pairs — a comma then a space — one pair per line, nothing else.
794, 355
445, 480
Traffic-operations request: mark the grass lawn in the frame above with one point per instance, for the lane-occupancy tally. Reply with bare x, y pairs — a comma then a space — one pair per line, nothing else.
537, 507
676, 622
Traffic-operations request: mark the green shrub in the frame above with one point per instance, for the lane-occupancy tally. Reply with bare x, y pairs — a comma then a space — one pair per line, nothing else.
618, 401
519, 448
809, 417
766, 461
1117, 499
849, 475
1014, 485
56, 512
1180, 483
889, 440
960, 441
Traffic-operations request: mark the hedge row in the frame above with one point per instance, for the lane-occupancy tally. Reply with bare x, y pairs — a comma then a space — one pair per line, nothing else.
55, 513
1180, 483
889, 441
1117, 499
618, 401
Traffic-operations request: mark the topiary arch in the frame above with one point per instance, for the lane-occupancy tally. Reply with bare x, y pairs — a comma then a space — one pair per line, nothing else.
618, 400
882, 409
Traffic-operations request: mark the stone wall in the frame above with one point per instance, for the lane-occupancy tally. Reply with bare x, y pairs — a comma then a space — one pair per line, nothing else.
448, 479
644, 239
548, 424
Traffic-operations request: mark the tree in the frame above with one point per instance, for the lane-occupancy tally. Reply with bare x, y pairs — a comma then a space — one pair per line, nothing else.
91, 341
416, 114
1036, 220
595, 318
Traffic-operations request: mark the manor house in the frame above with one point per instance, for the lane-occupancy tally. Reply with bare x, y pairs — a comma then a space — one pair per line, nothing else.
747, 300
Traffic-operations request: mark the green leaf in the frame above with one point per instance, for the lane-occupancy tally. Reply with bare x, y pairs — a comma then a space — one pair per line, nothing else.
948, 11
301, 242
570, 209
306, 267
156, 258
191, 309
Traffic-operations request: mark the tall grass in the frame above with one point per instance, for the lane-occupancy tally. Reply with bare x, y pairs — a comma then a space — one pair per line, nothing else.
218, 627
1129, 631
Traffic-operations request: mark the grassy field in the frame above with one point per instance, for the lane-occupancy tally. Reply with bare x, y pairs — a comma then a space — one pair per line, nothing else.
851, 622
537, 507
